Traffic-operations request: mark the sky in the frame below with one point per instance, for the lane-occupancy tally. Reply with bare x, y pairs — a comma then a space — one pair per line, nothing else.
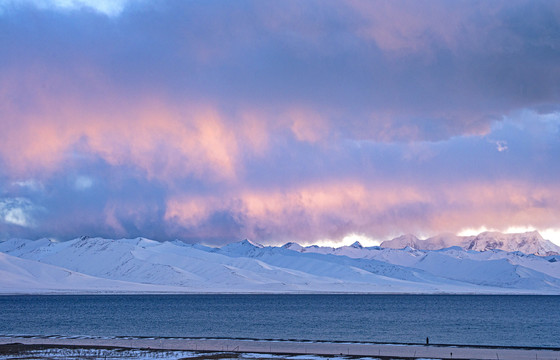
309, 121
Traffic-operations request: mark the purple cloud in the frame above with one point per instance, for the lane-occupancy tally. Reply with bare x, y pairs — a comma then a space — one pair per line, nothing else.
277, 120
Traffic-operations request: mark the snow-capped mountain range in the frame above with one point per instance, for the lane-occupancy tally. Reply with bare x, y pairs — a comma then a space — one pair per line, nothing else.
529, 243
444, 264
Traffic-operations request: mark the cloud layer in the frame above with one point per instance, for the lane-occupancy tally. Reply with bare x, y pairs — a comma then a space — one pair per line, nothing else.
277, 121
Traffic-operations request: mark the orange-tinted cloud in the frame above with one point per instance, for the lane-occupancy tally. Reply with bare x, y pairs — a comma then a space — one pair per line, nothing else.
161, 139
333, 210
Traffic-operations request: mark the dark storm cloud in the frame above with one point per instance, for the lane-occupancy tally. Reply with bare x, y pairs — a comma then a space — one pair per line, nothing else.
277, 120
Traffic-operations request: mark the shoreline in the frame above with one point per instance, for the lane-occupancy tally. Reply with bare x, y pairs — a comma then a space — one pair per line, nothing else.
273, 340
288, 347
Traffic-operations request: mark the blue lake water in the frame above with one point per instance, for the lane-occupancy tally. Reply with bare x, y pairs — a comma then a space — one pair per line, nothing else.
445, 319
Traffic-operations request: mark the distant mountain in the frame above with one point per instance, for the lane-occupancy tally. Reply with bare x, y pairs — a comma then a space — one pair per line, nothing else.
86, 265
528, 243
27, 276
402, 241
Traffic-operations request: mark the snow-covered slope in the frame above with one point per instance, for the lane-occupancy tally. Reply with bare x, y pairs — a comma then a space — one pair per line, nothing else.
528, 243
138, 265
27, 276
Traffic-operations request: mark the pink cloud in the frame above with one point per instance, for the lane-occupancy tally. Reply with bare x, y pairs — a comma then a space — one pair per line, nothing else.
161, 139
333, 210
164, 139
276, 120
307, 125
403, 27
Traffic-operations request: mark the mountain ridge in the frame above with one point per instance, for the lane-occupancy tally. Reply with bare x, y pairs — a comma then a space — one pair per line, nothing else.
89, 264
530, 242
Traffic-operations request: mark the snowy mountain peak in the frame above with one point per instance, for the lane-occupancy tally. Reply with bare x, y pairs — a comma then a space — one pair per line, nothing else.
401, 242
241, 248
248, 242
535, 234
293, 246
178, 242
529, 243
356, 245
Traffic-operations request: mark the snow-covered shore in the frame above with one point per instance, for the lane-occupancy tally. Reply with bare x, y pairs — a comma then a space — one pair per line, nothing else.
301, 348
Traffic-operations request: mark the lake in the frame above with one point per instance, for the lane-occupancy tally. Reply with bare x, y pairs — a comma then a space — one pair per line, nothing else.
445, 319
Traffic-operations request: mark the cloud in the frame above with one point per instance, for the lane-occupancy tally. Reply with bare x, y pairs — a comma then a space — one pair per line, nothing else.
83, 182
106, 7
17, 211
458, 71
277, 120
501, 145
386, 209
30, 184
